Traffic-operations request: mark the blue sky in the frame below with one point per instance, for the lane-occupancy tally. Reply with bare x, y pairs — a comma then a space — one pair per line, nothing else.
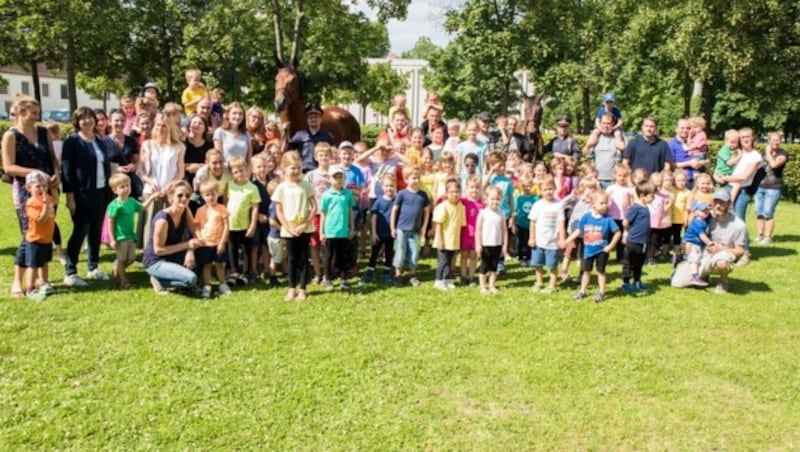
424, 18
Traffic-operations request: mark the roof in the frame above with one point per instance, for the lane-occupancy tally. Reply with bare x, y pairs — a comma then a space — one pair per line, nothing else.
42, 68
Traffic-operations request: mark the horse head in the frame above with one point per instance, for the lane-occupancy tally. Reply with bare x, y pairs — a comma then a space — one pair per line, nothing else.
287, 87
532, 107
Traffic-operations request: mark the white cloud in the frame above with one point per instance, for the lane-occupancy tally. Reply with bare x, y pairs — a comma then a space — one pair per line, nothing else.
424, 18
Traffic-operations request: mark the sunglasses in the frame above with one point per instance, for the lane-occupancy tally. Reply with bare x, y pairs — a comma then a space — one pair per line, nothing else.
181, 195
470, 165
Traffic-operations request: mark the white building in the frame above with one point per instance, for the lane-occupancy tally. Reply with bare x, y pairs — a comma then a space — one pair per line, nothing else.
53, 88
415, 94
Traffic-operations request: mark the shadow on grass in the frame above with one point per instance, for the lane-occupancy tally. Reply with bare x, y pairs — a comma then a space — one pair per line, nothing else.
770, 251
786, 238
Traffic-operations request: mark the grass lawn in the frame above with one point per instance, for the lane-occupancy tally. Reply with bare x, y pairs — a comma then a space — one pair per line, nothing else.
406, 368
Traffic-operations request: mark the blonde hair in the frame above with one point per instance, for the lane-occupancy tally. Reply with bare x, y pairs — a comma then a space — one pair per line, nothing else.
409, 171
209, 186
237, 162
226, 121
446, 157
172, 129
192, 73
547, 181
214, 153
24, 102
291, 158
698, 121
494, 189
322, 147
117, 180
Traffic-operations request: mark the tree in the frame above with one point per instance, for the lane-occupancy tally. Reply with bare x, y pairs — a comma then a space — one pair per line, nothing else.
423, 49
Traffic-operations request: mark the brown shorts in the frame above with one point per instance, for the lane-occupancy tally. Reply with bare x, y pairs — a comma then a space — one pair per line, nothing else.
126, 251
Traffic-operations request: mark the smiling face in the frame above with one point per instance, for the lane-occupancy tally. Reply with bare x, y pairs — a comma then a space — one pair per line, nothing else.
210, 197
453, 193
293, 172
493, 199
235, 116
179, 198
215, 165
118, 122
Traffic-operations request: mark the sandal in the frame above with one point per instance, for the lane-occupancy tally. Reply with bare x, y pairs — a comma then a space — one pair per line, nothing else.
17, 294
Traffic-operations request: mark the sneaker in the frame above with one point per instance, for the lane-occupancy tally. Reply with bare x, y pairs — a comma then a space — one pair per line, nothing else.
74, 281
414, 281
473, 282
36, 295
722, 288
224, 289
766, 241
760, 239
97, 274
243, 280
317, 280
501, 268
629, 288
157, 287
464, 281
251, 278
579, 296
537, 288
744, 260
47, 288
548, 290
640, 286
232, 279
439, 284
449, 284
273, 281
387, 278
327, 285
344, 284
599, 297
206, 293
696, 281
398, 281
368, 276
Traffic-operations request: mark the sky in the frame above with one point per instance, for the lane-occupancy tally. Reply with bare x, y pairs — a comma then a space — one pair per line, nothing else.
424, 18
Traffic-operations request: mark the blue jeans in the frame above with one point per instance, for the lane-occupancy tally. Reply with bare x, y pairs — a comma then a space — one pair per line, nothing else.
406, 249
766, 200
170, 274
740, 208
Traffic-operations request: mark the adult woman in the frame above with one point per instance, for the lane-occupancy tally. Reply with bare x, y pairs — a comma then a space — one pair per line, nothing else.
197, 144
744, 172
168, 256
25, 148
161, 164
85, 168
256, 129
232, 137
123, 151
769, 189
103, 128
143, 129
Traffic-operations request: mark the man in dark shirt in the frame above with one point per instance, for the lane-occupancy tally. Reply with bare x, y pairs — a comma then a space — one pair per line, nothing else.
304, 141
648, 151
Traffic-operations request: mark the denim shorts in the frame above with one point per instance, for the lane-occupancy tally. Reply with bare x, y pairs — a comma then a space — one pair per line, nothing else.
766, 200
542, 257
406, 249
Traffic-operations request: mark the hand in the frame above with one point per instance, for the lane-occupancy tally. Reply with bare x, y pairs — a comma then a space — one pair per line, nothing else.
478, 249
373, 239
352, 235
250, 233
514, 228
195, 243
221, 248
71, 205
607, 249
532, 242
113, 244
438, 244
562, 244
394, 233
263, 219
189, 261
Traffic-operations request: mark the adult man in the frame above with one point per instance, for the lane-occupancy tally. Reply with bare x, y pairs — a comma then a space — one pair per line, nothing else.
727, 234
304, 141
433, 117
516, 140
563, 145
602, 147
677, 147
484, 121
647, 151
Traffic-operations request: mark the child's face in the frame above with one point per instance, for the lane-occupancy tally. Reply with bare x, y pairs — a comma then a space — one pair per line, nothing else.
145, 125
704, 185
413, 181
215, 165
526, 187
696, 130
499, 167
417, 140
502, 124
123, 190
388, 187
453, 194
493, 199
293, 172
549, 192
260, 168
472, 132
324, 159
239, 174
473, 190
235, 116
471, 166
454, 130
701, 213
680, 182
600, 205
539, 171
194, 81
447, 165
667, 182
639, 178
732, 141
622, 178
426, 161
210, 197
129, 109
437, 136
558, 169
400, 101
37, 190
346, 157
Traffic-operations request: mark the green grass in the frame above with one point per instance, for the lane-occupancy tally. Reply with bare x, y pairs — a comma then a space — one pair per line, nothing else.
407, 368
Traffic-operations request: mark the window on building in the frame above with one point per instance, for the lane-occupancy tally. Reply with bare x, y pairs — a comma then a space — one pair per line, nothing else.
45, 90
64, 92
4, 89
26, 88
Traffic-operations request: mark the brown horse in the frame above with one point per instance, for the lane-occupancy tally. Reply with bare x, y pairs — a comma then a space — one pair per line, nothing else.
288, 103
532, 121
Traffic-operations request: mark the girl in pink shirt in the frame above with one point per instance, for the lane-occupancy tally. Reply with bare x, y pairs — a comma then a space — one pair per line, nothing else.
472, 205
620, 198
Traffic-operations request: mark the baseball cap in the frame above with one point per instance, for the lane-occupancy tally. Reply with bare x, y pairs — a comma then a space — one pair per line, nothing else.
721, 195
36, 177
484, 116
345, 144
699, 205
609, 97
337, 170
564, 120
313, 108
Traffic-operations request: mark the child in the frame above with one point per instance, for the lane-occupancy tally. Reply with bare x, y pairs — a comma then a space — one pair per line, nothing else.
320, 181
680, 196
697, 147
211, 226
414, 151
491, 239
277, 248
727, 158
337, 221
703, 191
121, 224
471, 146
563, 182
496, 177
696, 239
636, 238
217, 96
445, 170
448, 219
354, 181
214, 170
399, 104
381, 236
621, 195
427, 176
520, 223
243, 202
409, 222
128, 107
582, 206
471, 169
665, 191
610, 106
296, 208
453, 139
659, 206
41, 212
600, 235
547, 227
472, 207
260, 178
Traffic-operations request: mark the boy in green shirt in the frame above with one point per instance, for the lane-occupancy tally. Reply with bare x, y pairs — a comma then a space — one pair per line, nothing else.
121, 212
337, 224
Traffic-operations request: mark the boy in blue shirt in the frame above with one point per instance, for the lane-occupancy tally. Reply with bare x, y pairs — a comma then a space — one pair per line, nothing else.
381, 236
409, 222
600, 235
695, 239
637, 232
337, 223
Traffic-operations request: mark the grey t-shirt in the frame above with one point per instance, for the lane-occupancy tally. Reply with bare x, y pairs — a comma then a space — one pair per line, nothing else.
605, 157
730, 232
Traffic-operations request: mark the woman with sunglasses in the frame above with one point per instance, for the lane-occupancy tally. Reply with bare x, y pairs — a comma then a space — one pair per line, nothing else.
168, 256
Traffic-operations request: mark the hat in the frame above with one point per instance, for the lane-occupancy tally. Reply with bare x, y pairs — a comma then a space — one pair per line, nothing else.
609, 97
699, 205
337, 170
722, 195
152, 85
345, 144
484, 116
313, 108
564, 119
36, 177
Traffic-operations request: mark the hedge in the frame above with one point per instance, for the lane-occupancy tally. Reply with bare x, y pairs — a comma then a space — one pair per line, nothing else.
791, 174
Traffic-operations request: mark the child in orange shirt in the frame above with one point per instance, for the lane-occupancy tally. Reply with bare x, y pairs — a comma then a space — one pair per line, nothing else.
211, 226
41, 212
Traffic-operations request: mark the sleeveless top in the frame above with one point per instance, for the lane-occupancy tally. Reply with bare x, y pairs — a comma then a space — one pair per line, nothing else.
31, 155
162, 164
175, 235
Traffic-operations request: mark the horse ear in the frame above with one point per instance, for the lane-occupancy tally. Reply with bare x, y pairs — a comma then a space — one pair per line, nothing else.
278, 62
295, 63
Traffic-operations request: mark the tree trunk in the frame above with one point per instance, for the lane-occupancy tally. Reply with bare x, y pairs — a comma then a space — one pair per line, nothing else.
587, 115
697, 97
687, 96
709, 100
37, 89
71, 84
504, 98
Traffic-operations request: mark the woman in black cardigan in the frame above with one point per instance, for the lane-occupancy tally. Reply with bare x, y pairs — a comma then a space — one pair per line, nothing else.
85, 171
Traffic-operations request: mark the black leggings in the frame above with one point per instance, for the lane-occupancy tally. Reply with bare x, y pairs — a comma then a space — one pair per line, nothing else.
297, 251
236, 241
633, 262
490, 257
657, 238
336, 249
444, 268
523, 250
387, 244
